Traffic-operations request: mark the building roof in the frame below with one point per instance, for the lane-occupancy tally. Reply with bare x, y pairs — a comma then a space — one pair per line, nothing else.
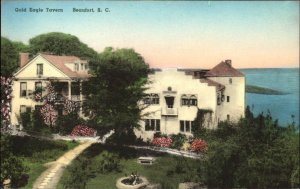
224, 69
61, 61
218, 86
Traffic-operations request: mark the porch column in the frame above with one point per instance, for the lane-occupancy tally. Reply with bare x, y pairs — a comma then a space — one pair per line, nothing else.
80, 91
69, 89
80, 97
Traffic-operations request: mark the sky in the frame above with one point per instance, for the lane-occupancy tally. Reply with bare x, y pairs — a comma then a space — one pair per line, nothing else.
183, 34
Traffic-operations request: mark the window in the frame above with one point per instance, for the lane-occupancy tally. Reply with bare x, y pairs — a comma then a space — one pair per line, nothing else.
228, 117
86, 66
38, 87
186, 126
23, 89
152, 125
228, 98
193, 100
76, 67
155, 99
230, 80
81, 66
184, 100
39, 69
24, 109
189, 100
152, 99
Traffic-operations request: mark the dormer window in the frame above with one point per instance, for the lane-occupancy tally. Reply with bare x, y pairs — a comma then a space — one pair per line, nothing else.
39, 69
76, 67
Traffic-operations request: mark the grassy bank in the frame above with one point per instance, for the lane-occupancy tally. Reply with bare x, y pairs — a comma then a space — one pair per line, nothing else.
34, 153
263, 90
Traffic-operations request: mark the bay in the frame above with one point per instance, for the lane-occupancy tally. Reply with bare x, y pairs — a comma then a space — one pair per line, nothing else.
285, 108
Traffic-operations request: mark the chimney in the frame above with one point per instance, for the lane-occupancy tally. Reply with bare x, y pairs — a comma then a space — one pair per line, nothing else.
228, 62
24, 58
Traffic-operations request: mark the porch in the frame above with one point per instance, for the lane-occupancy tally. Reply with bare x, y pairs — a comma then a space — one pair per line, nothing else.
69, 90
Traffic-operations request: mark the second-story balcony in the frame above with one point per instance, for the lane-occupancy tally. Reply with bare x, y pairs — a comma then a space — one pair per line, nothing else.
169, 111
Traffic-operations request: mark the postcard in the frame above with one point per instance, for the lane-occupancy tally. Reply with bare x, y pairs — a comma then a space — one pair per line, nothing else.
149, 94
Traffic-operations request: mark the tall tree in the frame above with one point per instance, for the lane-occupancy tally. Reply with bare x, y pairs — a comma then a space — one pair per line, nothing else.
61, 44
9, 57
115, 89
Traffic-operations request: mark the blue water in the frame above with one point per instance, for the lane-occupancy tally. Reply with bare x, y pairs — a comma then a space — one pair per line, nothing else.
281, 107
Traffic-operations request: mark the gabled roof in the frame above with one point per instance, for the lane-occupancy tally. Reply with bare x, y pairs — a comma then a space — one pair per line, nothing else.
60, 61
224, 69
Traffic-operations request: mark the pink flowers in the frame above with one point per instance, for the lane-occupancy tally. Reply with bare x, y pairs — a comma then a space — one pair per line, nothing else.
49, 114
82, 130
199, 145
38, 97
51, 96
162, 141
6, 90
70, 106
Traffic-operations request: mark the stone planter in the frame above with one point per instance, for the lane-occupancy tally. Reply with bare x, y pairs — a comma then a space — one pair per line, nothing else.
121, 185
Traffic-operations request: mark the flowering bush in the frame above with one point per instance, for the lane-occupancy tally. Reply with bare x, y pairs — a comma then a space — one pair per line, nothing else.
70, 106
49, 114
6, 90
162, 141
51, 95
199, 145
37, 94
82, 130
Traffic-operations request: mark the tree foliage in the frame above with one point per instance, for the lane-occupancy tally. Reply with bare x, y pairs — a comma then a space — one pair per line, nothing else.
61, 44
9, 57
254, 153
11, 166
116, 88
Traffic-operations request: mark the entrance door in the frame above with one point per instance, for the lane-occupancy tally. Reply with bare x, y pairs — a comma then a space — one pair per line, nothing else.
169, 101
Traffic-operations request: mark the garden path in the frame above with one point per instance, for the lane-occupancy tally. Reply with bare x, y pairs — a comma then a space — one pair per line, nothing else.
49, 178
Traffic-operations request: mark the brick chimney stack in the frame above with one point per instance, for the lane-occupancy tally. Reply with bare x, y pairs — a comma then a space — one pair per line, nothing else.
228, 62
24, 58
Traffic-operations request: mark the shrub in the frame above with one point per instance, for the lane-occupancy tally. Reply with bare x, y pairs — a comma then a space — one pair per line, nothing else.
11, 166
82, 130
159, 134
122, 137
162, 141
77, 174
107, 162
178, 140
26, 119
199, 145
66, 123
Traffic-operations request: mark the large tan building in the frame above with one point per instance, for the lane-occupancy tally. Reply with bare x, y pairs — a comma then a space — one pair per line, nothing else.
174, 95
67, 72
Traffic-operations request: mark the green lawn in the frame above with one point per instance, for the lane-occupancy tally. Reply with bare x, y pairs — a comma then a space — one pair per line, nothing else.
167, 170
36, 152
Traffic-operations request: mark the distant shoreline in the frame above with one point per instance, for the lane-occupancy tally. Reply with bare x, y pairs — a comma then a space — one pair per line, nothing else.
263, 90
266, 68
